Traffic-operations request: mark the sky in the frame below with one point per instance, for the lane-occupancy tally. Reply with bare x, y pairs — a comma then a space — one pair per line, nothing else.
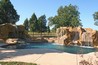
25, 8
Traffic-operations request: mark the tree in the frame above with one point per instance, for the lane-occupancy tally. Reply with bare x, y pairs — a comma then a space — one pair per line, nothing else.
95, 16
26, 24
48, 29
7, 12
42, 23
66, 16
33, 23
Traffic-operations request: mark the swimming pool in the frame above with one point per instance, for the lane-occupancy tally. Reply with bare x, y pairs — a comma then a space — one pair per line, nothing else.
69, 49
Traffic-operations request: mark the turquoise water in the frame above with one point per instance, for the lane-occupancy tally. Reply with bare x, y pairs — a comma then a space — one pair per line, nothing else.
68, 49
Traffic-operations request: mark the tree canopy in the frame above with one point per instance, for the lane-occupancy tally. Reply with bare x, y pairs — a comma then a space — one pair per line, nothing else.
66, 16
7, 12
36, 25
95, 16
26, 24
33, 22
42, 23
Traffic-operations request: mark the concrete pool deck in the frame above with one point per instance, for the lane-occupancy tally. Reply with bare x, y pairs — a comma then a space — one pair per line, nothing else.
44, 56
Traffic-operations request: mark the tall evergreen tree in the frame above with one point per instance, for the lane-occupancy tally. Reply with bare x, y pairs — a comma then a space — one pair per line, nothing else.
33, 23
7, 12
48, 29
42, 23
26, 24
66, 16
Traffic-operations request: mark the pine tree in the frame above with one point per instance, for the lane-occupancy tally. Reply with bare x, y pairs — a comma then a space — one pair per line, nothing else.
33, 23
26, 24
42, 23
7, 12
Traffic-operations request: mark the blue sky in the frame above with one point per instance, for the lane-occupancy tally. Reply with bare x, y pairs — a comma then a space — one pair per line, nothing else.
25, 8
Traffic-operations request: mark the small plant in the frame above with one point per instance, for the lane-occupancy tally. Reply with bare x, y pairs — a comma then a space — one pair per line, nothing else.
90, 61
84, 62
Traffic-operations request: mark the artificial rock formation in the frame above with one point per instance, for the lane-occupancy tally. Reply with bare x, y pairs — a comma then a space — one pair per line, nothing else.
6, 30
13, 32
77, 36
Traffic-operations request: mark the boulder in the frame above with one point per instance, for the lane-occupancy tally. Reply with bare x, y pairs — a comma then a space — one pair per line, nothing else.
11, 41
95, 38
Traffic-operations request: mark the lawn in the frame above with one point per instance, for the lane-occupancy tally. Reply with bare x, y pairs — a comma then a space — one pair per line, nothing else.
16, 63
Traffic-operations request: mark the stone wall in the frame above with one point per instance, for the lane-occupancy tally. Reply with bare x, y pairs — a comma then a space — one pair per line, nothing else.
77, 36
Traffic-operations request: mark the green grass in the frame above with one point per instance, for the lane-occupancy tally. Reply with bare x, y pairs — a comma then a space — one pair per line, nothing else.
16, 63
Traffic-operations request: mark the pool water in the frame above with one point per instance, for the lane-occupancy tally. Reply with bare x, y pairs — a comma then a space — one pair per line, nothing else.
69, 49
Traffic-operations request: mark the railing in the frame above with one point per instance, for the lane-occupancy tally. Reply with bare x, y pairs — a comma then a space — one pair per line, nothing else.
43, 34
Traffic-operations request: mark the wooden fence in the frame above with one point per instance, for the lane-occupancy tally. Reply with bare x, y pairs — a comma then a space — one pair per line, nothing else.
45, 34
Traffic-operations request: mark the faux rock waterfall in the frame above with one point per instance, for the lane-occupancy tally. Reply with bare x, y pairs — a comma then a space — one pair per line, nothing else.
77, 36
12, 34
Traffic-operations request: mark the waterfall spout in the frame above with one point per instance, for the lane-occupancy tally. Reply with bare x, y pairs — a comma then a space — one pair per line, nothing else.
75, 38
87, 39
